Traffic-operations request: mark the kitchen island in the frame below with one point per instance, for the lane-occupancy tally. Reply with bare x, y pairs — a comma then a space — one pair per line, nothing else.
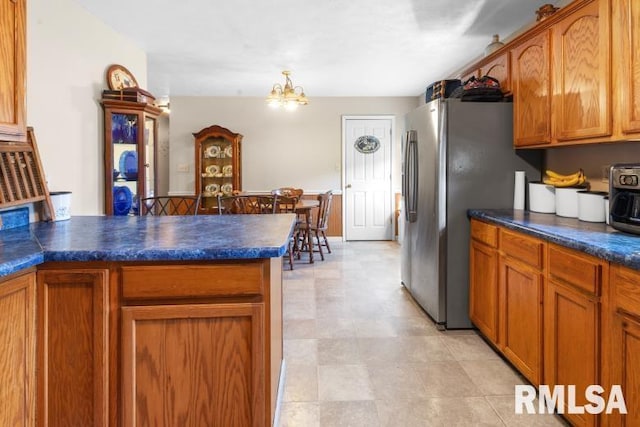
560, 299
143, 320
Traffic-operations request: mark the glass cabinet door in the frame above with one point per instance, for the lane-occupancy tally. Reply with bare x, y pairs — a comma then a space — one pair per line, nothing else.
217, 170
150, 152
124, 140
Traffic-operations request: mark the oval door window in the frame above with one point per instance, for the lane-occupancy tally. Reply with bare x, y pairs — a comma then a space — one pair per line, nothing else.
367, 144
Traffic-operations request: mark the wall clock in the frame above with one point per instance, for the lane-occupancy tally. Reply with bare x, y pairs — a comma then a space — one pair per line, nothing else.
119, 78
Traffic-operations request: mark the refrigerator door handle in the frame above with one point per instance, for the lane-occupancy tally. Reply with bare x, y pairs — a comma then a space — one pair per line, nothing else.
411, 177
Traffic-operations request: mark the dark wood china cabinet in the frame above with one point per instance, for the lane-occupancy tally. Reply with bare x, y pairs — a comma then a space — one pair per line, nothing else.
130, 148
218, 165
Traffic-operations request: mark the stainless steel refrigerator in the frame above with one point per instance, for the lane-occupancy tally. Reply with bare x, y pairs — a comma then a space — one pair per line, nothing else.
456, 156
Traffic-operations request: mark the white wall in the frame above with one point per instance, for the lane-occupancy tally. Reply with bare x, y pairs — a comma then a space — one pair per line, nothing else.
68, 53
280, 148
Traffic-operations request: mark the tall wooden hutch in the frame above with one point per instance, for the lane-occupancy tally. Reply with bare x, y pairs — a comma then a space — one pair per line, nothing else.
130, 147
218, 165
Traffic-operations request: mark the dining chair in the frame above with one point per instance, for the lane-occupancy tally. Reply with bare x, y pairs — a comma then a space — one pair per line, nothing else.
169, 205
246, 204
285, 204
288, 192
319, 227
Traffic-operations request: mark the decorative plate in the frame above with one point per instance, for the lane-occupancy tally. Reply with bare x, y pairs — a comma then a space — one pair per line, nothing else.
226, 189
212, 170
129, 164
367, 144
212, 188
212, 151
122, 200
228, 151
227, 170
119, 78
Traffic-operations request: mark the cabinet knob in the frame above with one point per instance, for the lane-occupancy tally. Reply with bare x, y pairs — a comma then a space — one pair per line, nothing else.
146, 165
348, 186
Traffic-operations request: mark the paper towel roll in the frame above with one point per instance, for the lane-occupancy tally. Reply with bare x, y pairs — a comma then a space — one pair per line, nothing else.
518, 191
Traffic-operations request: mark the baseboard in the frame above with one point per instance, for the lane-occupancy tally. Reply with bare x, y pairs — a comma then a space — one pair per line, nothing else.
276, 416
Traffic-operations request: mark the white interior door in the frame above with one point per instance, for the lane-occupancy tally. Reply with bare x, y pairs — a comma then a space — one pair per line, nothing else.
367, 178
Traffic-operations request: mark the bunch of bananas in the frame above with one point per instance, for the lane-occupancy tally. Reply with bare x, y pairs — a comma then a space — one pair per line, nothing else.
559, 180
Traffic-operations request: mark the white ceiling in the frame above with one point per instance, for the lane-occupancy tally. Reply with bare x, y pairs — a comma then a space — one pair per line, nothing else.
332, 47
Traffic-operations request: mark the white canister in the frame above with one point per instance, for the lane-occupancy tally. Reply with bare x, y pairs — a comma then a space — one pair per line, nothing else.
542, 197
61, 201
591, 206
567, 201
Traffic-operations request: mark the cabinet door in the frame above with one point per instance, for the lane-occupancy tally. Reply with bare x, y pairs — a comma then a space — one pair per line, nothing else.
483, 289
18, 351
194, 364
72, 347
581, 106
12, 70
499, 69
625, 367
520, 335
571, 355
621, 338
626, 26
531, 87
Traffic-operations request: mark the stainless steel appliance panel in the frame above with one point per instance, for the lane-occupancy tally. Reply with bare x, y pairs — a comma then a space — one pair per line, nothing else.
465, 160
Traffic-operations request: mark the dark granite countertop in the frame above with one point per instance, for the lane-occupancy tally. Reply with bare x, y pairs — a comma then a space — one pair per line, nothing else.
597, 239
154, 238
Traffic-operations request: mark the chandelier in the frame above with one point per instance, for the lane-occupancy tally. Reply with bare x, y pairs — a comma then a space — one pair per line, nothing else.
288, 96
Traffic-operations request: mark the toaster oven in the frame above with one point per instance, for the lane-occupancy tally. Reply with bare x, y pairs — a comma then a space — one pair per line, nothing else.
624, 194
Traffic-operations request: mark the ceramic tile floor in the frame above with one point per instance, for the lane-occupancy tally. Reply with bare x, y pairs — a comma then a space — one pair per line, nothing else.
360, 352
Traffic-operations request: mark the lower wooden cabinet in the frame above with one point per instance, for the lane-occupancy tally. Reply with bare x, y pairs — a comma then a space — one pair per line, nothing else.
571, 341
572, 324
483, 289
483, 278
18, 344
72, 347
521, 316
194, 364
621, 350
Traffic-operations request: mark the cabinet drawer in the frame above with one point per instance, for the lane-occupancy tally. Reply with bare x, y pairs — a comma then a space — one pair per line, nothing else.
485, 233
179, 281
521, 247
577, 269
626, 289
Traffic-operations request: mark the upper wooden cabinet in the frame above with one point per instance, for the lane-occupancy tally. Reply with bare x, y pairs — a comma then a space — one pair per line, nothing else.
626, 33
12, 70
494, 66
499, 69
573, 76
531, 91
581, 77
